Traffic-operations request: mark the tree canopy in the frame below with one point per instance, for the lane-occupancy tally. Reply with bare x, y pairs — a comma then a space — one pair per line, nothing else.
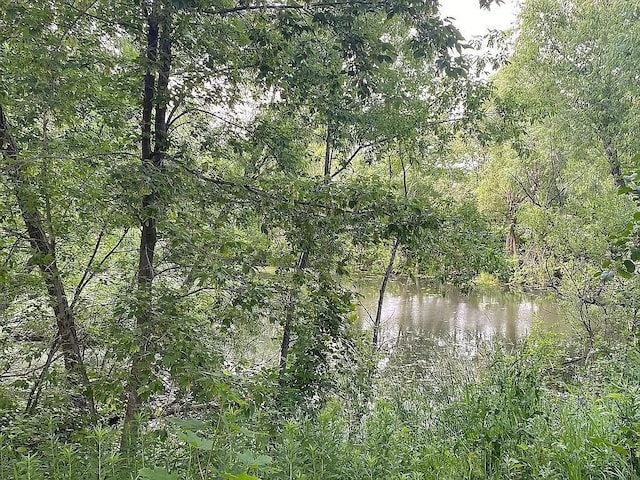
185, 183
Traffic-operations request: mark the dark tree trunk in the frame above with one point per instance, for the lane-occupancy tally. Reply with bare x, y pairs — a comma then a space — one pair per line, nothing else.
44, 246
614, 163
303, 262
154, 148
328, 154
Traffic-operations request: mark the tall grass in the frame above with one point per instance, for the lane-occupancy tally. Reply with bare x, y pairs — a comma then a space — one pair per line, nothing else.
521, 417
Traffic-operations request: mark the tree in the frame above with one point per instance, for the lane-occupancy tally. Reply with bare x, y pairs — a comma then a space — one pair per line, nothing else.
161, 149
562, 110
48, 85
576, 62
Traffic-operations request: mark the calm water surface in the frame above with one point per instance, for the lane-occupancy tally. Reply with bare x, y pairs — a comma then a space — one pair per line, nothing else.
416, 319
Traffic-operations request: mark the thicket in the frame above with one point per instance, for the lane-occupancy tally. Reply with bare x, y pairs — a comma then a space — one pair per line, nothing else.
188, 189
527, 413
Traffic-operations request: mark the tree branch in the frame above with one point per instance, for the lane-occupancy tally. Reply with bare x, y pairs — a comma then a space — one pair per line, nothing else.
107, 21
296, 6
87, 278
34, 393
355, 153
267, 195
86, 269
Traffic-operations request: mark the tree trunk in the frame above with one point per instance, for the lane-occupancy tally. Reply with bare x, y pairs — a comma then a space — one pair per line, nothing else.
383, 287
303, 262
154, 148
328, 154
511, 242
44, 249
286, 334
614, 163
388, 271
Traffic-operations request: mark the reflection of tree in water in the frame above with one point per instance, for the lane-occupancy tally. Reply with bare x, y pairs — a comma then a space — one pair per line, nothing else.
420, 327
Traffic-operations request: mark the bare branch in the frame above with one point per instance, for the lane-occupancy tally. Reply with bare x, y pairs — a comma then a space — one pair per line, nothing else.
197, 290
87, 268
354, 154
34, 394
86, 279
526, 191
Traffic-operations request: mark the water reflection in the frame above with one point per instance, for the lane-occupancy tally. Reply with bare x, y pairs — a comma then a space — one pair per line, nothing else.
416, 320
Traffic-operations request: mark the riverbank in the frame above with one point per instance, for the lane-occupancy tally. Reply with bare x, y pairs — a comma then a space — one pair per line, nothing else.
526, 414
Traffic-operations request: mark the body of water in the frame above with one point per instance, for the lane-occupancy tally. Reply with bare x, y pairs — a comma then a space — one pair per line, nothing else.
417, 320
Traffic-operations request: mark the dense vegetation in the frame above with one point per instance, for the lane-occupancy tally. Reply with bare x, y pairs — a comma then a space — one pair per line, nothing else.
189, 189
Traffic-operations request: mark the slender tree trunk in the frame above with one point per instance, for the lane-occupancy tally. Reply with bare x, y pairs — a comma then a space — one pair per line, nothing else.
328, 154
383, 287
511, 242
303, 262
154, 147
36, 389
302, 265
389, 270
44, 246
614, 163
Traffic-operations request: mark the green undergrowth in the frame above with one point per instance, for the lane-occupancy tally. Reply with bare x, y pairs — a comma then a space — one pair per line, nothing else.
524, 415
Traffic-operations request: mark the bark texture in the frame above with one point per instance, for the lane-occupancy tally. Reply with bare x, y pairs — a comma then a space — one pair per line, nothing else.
43, 246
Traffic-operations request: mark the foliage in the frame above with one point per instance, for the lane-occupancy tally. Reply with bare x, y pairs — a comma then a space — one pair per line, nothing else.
214, 194
518, 418
187, 189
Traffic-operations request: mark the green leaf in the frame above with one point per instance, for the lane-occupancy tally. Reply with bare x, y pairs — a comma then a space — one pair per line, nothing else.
252, 461
239, 476
597, 440
156, 474
624, 274
41, 259
188, 423
620, 449
196, 441
629, 266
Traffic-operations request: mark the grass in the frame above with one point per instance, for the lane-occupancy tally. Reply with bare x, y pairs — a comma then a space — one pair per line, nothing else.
519, 419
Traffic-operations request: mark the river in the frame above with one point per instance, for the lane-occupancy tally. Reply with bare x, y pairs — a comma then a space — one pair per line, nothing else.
418, 321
